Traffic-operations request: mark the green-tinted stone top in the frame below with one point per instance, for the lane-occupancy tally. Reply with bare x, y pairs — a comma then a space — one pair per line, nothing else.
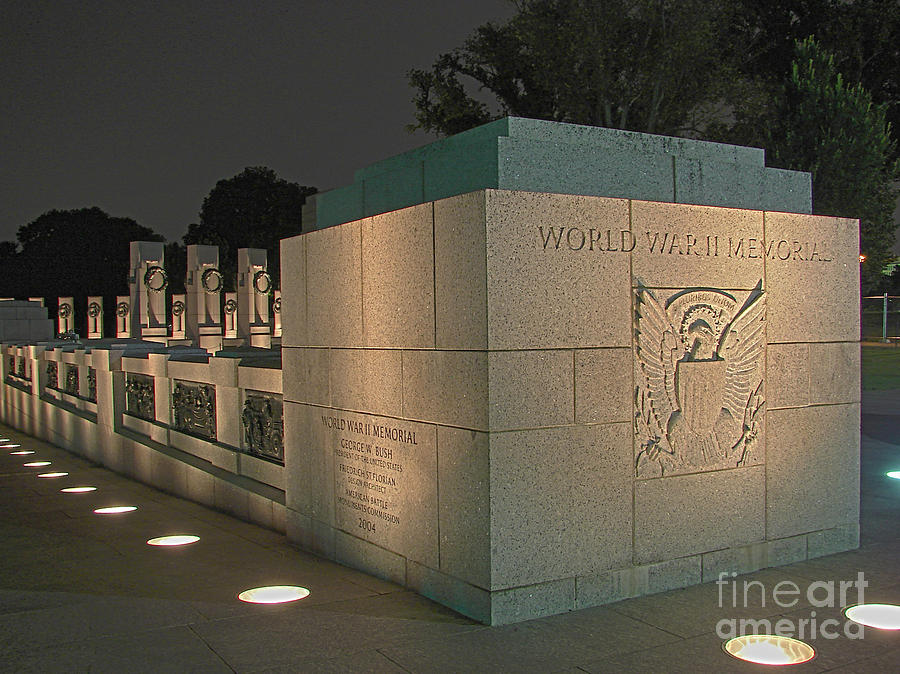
539, 156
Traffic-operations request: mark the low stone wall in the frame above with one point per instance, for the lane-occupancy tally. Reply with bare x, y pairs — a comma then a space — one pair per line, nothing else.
204, 428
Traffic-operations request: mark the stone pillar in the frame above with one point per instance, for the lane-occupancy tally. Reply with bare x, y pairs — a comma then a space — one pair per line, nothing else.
147, 283
65, 315
231, 316
204, 286
254, 287
179, 308
123, 317
276, 315
95, 317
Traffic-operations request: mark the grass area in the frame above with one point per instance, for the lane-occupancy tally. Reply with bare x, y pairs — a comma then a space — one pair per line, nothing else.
880, 368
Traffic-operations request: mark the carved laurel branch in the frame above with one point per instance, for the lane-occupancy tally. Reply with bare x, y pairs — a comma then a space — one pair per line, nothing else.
755, 405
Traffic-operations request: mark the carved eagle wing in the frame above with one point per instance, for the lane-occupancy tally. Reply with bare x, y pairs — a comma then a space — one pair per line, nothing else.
657, 349
741, 346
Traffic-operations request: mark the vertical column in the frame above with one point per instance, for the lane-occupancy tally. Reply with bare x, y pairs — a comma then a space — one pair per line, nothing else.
123, 317
95, 317
204, 285
147, 282
65, 315
255, 285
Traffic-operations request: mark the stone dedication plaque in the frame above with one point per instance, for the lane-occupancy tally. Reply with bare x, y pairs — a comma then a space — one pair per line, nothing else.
384, 481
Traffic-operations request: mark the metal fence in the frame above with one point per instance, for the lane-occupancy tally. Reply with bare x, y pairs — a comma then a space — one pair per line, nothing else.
880, 318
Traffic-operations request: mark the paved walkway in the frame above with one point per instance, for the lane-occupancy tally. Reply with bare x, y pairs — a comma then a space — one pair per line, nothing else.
81, 592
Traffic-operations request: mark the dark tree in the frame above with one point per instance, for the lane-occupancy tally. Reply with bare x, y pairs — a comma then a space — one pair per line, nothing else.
643, 65
176, 267
74, 253
863, 36
254, 209
821, 124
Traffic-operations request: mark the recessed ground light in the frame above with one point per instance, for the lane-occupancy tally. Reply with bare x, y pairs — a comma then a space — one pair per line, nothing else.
273, 594
77, 490
894, 474
113, 510
35, 464
4, 439
52, 474
767, 649
22, 452
10, 446
880, 616
181, 539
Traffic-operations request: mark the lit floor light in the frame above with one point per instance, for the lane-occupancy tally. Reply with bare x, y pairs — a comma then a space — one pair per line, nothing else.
22, 452
9, 446
114, 510
4, 439
52, 474
880, 616
35, 464
273, 594
77, 490
182, 539
766, 649
894, 474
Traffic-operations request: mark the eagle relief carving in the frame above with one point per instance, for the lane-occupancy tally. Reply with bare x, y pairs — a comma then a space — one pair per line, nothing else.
699, 380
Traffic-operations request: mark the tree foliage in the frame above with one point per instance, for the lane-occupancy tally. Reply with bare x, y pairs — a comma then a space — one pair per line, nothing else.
863, 36
821, 124
254, 209
74, 253
631, 64
722, 70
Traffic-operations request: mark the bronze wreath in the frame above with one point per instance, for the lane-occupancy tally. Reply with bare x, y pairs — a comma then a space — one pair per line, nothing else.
262, 274
230, 306
64, 310
276, 305
122, 309
208, 274
156, 271
177, 308
94, 309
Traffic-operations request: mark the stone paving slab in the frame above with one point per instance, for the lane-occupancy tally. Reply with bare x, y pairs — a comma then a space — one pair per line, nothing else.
83, 593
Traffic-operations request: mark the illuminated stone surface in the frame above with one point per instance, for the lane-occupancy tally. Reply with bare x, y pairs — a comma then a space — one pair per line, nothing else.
602, 408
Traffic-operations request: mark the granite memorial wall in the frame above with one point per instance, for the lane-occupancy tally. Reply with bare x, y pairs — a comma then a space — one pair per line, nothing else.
520, 402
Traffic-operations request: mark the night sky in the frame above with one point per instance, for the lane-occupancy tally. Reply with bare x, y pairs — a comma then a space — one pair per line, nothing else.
139, 108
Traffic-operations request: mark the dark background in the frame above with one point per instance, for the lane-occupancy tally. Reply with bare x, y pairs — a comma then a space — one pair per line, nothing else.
140, 107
